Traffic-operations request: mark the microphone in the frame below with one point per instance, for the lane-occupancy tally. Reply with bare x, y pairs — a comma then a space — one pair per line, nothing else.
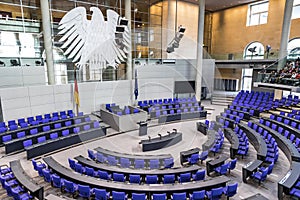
149, 138
175, 130
159, 136
169, 133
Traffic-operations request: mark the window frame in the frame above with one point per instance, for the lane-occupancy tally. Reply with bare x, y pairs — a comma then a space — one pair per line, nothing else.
259, 13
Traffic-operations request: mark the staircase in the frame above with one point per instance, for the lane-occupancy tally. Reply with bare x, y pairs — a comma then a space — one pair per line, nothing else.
222, 99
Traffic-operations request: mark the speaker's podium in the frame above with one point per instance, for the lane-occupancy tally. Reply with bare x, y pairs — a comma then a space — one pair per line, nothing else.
278, 88
143, 128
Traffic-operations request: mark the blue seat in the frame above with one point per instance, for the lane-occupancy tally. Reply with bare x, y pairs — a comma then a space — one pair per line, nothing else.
65, 132
55, 114
47, 175
168, 162
69, 187
198, 195
19, 193
222, 169
119, 177
139, 164
24, 125
199, 175
56, 181
151, 179
76, 130
87, 119
27, 143
203, 156
47, 116
154, 164
53, 135
112, 160
41, 139
84, 191
215, 193
125, 162
104, 175
260, 176
6, 138
232, 164
137, 196
71, 163
77, 121
159, 196
100, 157
134, 178
68, 123
96, 124
4, 169
89, 171
230, 190
194, 158
91, 154
62, 113
169, 178
46, 128
101, 194
186, 177
119, 195
79, 168
13, 127
58, 125
179, 196
11, 122
35, 164
33, 131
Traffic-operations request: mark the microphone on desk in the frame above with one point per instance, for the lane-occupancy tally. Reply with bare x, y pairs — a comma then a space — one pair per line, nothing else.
169, 133
149, 138
175, 130
159, 136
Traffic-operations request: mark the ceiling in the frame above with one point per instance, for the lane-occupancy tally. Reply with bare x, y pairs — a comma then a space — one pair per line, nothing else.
215, 5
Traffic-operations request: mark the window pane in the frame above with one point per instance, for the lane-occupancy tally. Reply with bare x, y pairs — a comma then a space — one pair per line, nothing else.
263, 18
296, 12
254, 20
296, 2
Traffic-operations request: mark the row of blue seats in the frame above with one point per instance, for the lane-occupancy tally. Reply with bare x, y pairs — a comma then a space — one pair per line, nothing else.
226, 167
45, 128
218, 142
171, 112
31, 121
86, 192
293, 114
272, 147
196, 157
136, 178
166, 101
235, 113
243, 142
289, 122
172, 106
55, 135
125, 162
12, 186
232, 117
295, 190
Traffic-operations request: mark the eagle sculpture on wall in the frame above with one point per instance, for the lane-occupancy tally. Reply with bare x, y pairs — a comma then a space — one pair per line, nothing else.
94, 40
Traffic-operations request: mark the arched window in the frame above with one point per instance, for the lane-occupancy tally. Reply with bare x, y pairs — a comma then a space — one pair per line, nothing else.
254, 50
294, 48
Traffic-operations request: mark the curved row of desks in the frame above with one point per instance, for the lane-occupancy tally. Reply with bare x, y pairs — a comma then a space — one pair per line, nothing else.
211, 139
234, 141
182, 116
133, 157
26, 181
66, 173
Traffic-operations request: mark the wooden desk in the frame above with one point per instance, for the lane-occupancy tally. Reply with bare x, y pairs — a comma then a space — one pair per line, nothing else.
212, 164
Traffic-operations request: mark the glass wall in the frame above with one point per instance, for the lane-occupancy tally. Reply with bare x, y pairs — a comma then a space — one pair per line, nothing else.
21, 35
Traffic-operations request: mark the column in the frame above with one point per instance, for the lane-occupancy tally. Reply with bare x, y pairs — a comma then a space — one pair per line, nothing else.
201, 15
285, 33
129, 70
47, 40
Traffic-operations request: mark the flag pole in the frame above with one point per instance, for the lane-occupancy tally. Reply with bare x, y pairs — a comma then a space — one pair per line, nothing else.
76, 94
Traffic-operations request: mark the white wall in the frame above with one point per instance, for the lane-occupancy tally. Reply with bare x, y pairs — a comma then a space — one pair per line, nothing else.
22, 76
33, 100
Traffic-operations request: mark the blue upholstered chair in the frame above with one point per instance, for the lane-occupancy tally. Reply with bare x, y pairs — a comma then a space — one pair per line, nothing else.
151, 179
119, 195
135, 178
154, 164
230, 190
101, 194
139, 164
159, 196
169, 178
178, 196
199, 175
125, 162
198, 195
186, 177
119, 177
215, 193
139, 196
260, 176
194, 158
104, 175
84, 191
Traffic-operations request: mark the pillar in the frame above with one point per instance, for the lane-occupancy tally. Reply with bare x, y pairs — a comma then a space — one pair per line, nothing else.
129, 71
285, 33
201, 15
48, 40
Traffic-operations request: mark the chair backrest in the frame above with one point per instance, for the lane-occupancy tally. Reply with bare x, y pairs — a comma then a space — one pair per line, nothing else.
76, 129
77, 121
118, 195
136, 196
199, 175
139, 164
151, 179
264, 174
197, 195
78, 168
125, 162
186, 177
96, 124
47, 175
224, 168
53, 135
46, 128
270, 168
232, 163
169, 178
154, 164
68, 123
118, 177
112, 160
194, 158
168, 162
6, 138
33, 131
159, 196
216, 192
91, 154
65, 132
101, 194
134, 178
231, 189
56, 180
179, 196
84, 191
71, 163
41, 139
21, 134
27, 143
69, 186
100, 157
58, 125
89, 171
103, 175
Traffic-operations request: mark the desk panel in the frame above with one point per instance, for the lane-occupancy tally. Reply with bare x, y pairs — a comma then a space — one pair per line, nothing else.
234, 141
289, 180
182, 116
34, 189
211, 139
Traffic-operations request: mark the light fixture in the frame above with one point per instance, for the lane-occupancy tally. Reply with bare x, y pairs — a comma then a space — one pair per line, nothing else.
175, 42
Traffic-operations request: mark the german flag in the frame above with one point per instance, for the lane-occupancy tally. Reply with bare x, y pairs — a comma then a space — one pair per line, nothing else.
76, 92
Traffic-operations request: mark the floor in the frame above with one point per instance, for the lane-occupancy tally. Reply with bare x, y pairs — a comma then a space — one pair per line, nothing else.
129, 142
